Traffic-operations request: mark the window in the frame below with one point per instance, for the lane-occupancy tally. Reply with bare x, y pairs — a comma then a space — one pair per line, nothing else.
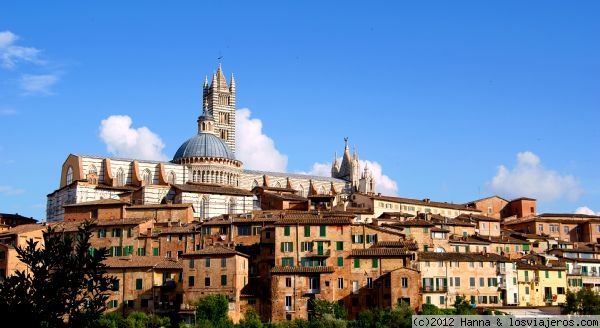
115, 286
375, 263
223, 280
540, 227
120, 177
288, 282
597, 227
547, 274
256, 231
340, 261
472, 299
428, 299
141, 251
526, 290
287, 261
560, 290
356, 263
287, 246
306, 231
457, 281
566, 229
244, 230
306, 246
371, 239
357, 239
322, 231
340, 283
223, 262
191, 281
117, 250
442, 300
339, 245
113, 304
207, 262
472, 282
559, 274
207, 281
369, 282
102, 233
147, 177
526, 276
554, 228
481, 282
192, 264
155, 251
130, 232
128, 250
286, 230
288, 303
404, 282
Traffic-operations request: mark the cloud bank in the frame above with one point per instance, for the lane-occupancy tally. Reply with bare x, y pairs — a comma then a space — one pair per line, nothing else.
254, 148
586, 210
530, 178
11, 54
123, 140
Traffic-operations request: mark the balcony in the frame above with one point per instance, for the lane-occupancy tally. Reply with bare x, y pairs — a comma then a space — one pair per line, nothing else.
318, 253
313, 291
434, 289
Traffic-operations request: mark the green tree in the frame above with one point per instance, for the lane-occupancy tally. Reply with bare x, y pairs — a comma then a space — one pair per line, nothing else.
324, 307
65, 285
430, 309
398, 317
211, 311
462, 306
251, 320
584, 302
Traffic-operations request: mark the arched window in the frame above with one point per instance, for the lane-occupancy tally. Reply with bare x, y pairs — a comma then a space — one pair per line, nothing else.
147, 177
69, 176
92, 169
203, 208
171, 177
301, 191
120, 177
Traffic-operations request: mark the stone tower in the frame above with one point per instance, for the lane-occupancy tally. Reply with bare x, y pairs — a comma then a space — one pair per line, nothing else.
219, 100
348, 170
366, 184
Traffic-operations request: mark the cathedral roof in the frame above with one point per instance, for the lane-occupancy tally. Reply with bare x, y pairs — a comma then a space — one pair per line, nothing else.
204, 145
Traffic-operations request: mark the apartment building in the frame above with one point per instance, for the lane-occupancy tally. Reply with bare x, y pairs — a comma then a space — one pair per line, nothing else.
542, 281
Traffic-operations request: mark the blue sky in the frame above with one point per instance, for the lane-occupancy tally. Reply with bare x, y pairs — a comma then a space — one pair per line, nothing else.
452, 100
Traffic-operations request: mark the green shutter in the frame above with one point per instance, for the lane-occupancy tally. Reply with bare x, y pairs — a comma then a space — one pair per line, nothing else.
282, 247
138, 284
339, 246
306, 231
340, 261
547, 274
115, 286
223, 280
357, 263
155, 251
286, 230
559, 274
375, 263
322, 231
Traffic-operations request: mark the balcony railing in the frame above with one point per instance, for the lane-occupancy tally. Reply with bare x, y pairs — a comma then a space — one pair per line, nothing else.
313, 291
434, 289
323, 253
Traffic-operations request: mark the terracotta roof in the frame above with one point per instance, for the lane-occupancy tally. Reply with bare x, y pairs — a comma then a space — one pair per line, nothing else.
396, 214
288, 269
215, 250
462, 257
66, 226
176, 230
410, 244
169, 264
315, 221
467, 240
108, 201
477, 217
423, 203
291, 197
438, 229
162, 206
132, 261
500, 239
378, 251
23, 228
213, 189
386, 229
120, 222
267, 188
123, 188
17, 217
486, 198
527, 266
413, 223
568, 215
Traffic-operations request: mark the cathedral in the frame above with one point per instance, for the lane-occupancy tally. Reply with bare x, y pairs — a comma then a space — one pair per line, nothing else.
204, 171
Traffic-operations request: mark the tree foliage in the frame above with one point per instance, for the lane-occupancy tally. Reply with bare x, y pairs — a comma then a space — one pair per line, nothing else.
133, 320
324, 308
211, 311
584, 302
463, 307
397, 317
65, 285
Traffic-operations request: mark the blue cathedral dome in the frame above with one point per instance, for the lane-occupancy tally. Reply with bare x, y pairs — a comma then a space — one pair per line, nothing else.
204, 145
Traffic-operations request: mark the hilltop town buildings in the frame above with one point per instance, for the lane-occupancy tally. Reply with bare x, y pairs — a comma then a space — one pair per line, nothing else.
201, 224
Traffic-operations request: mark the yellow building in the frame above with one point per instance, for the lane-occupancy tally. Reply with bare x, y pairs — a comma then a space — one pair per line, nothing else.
541, 285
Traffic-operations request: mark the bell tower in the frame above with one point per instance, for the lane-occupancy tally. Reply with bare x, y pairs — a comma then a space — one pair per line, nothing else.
219, 100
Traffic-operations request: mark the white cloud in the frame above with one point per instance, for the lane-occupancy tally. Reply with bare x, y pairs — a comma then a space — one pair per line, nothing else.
383, 183
254, 148
586, 210
7, 111
10, 191
38, 84
123, 140
11, 54
529, 178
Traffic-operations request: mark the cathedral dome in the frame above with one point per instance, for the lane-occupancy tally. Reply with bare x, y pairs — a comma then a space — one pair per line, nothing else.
204, 145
